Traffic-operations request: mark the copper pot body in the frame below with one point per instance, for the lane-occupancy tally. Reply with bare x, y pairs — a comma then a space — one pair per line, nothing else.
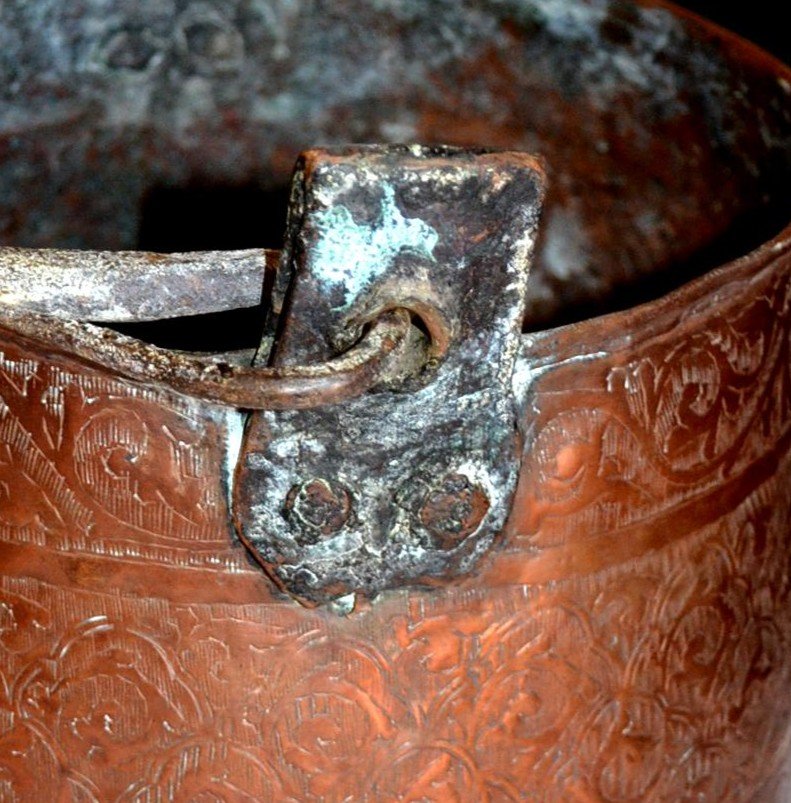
630, 637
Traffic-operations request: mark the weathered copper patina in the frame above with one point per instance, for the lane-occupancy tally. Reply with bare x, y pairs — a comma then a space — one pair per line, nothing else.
448, 234
627, 637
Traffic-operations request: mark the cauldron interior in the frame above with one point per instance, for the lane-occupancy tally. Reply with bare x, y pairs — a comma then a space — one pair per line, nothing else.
166, 124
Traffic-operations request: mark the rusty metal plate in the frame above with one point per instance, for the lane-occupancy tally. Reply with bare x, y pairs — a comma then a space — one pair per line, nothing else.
411, 483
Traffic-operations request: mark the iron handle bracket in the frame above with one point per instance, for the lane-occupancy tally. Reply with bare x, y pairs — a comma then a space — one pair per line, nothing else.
412, 483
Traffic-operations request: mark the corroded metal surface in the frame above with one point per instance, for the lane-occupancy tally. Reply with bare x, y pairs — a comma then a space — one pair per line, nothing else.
411, 483
131, 286
630, 637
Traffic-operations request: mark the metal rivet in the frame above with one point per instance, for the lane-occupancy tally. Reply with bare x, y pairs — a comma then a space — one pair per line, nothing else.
453, 510
318, 509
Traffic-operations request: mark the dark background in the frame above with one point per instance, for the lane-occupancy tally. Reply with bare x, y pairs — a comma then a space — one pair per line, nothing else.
241, 218
761, 21
233, 218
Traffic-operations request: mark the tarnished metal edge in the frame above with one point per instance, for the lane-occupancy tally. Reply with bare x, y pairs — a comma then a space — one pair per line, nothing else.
126, 286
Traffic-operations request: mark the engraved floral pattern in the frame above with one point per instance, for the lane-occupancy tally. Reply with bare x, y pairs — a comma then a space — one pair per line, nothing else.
335, 714
660, 674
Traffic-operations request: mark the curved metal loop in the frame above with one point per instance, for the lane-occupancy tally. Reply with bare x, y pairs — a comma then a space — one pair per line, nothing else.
384, 352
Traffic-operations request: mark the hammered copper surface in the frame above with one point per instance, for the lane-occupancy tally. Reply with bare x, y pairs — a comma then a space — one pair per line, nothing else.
631, 638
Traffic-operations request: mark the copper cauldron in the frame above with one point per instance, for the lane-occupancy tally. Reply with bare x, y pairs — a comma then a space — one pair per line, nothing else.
375, 517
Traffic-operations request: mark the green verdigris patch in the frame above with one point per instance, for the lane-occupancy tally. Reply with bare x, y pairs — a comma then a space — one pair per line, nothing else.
353, 255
